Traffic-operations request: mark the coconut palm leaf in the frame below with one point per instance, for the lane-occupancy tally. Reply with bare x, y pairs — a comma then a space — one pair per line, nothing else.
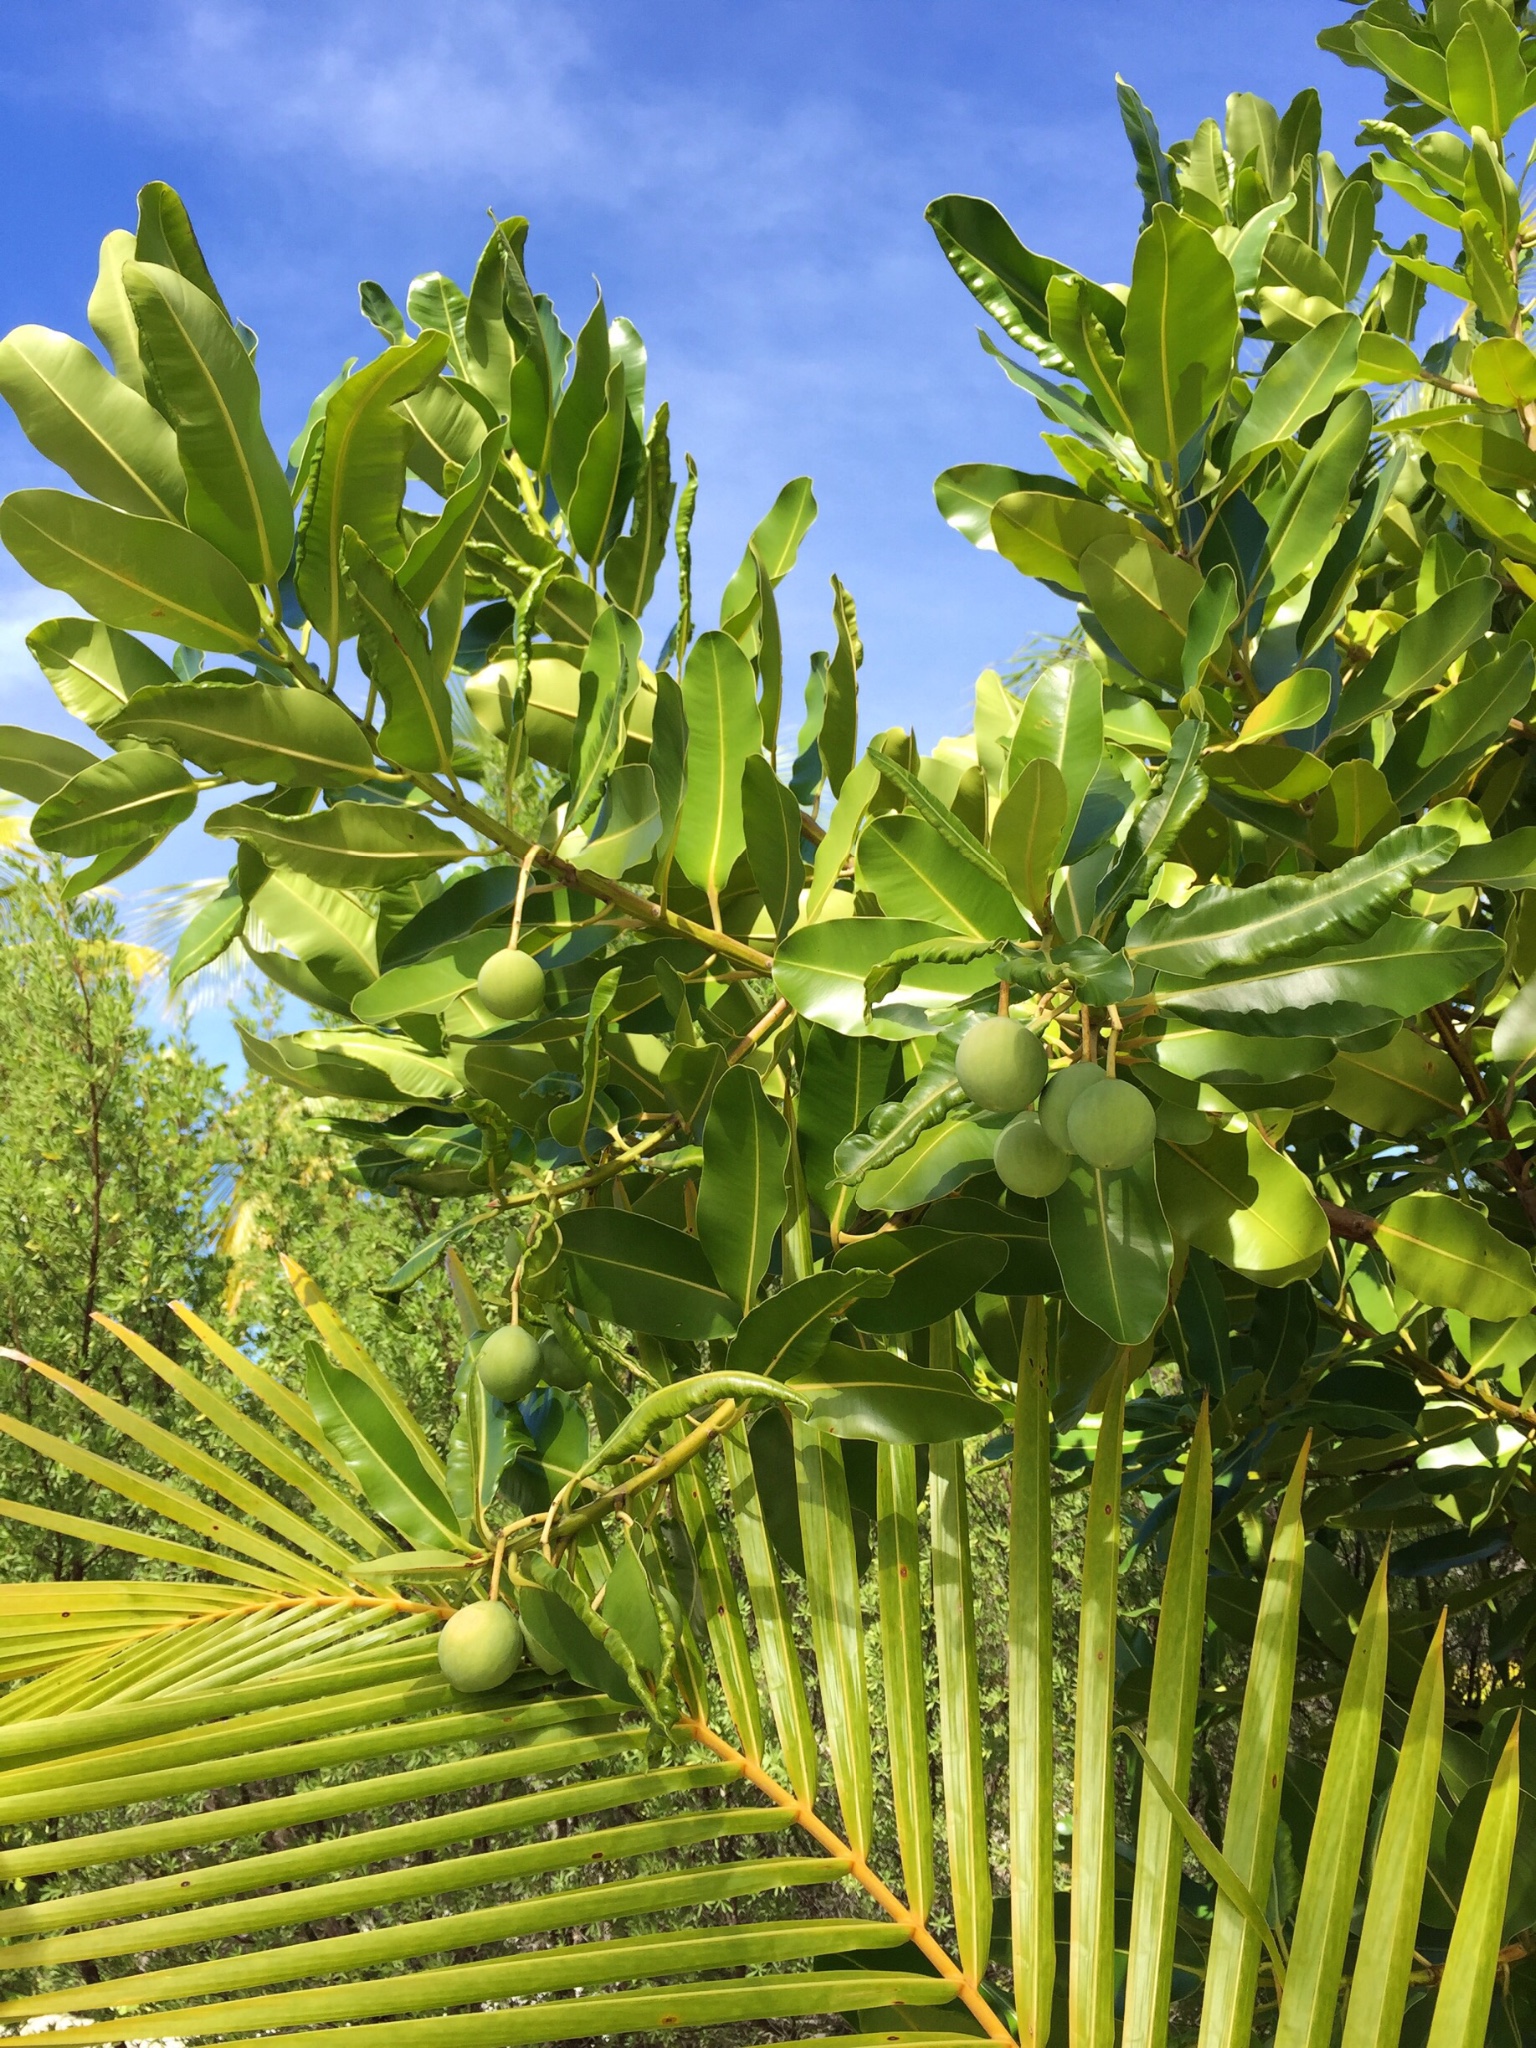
246, 1802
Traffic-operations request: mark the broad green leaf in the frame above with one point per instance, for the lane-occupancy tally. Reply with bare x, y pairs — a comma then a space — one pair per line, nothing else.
1031, 1696
361, 1064
838, 740
1447, 1254
1301, 524
1309, 2005
1514, 1036
724, 731
581, 406
1253, 1804
331, 933
1063, 722
1027, 833
35, 765
1142, 595
776, 541
1504, 372
771, 821
938, 1161
1419, 653
643, 1275
1113, 1246
837, 1625
1292, 706
1091, 1953
116, 802
109, 312
94, 669
359, 478
1497, 460
610, 676
439, 547
901, 1656
208, 934
960, 1746
1485, 71
1465, 1992
1170, 1744
1351, 813
1437, 745
820, 968
393, 653
144, 574
1009, 280
1181, 329
741, 1197
1403, 967
787, 1333
1046, 533
428, 986
100, 432
384, 1463
199, 375
1508, 862
1396, 1087
1491, 511
1083, 340
595, 502
1293, 914
252, 732
1298, 385
1157, 824
1414, 64
165, 235
966, 494
628, 823
629, 569
933, 1274
879, 1396
1244, 1203
917, 874
350, 846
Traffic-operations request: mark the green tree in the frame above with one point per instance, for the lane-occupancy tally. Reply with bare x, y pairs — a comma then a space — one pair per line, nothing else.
742, 1090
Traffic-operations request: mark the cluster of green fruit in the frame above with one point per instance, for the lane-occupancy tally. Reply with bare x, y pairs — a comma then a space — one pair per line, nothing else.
511, 1361
1083, 1112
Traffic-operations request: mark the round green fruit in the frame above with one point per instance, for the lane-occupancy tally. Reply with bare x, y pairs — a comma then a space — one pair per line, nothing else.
1000, 1064
1025, 1159
1061, 1091
511, 984
508, 1362
480, 1646
557, 1368
1112, 1126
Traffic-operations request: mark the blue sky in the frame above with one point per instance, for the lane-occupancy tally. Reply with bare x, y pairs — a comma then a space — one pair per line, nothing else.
746, 181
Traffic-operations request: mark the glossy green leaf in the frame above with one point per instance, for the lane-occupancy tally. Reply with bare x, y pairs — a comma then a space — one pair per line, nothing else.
1143, 596
1301, 525
1114, 1249
100, 431
1293, 914
144, 574
392, 649
1298, 385
94, 669
1396, 1087
788, 1331
1298, 703
771, 822
742, 1196
629, 569
359, 478
352, 845
643, 1275
1027, 833
381, 1458
838, 741
628, 823
199, 375
940, 1159
207, 934
1245, 1203
1486, 72
720, 702
610, 675
1063, 722
1047, 533
35, 765
1180, 332
1403, 967
933, 1273
439, 547
595, 502
967, 493
1009, 280
1447, 1254
252, 732
334, 935
889, 1400
1419, 653
115, 802
820, 968
917, 874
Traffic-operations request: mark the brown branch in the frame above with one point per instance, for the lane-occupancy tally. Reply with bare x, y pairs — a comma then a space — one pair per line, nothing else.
1352, 1225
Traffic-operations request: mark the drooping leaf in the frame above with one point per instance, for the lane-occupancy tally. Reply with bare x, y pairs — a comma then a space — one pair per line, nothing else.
643, 1275
117, 802
1443, 1251
1110, 1239
252, 732
99, 430
350, 846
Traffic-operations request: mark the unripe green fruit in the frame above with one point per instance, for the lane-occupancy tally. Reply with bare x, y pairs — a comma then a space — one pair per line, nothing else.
480, 1646
511, 984
1112, 1126
508, 1362
1000, 1064
1062, 1090
1025, 1159
557, 1368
